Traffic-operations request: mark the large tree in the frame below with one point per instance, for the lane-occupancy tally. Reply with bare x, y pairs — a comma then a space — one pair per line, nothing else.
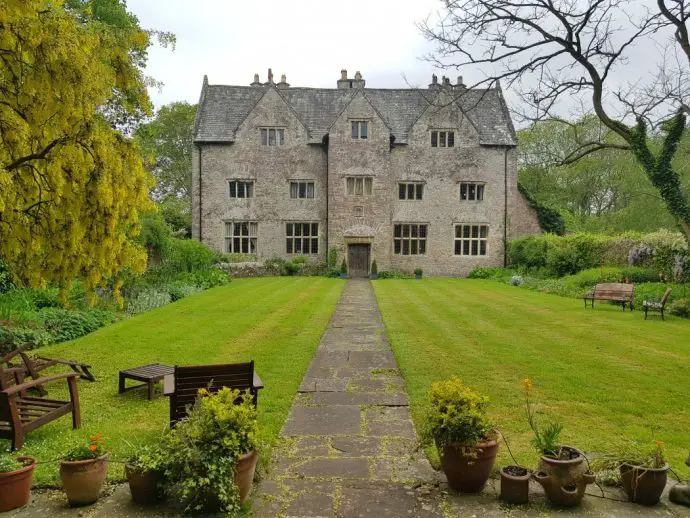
558, 52
71, 186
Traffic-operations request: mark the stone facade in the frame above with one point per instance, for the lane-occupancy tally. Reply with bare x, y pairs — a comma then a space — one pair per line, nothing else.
319, 147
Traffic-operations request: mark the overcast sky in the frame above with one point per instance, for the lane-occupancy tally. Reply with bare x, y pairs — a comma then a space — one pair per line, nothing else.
308, 40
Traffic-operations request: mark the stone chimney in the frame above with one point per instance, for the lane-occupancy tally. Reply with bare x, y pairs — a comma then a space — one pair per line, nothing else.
283, 83
344, 83
358, 82
256, 81
270, 78
460, 85
434, 83
446, 81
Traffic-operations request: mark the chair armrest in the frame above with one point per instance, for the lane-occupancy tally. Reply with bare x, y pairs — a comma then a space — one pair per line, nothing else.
169, 385
35, 383
10, 355
258, 384
64, 362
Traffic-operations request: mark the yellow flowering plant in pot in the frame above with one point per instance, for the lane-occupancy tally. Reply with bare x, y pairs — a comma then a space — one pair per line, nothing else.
83, 470
467, 443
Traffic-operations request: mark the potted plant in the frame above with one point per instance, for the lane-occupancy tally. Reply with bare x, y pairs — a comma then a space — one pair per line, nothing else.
563, 473
144, 472
515, 484
343, 270
374, 270
643, 471
210, 456
466, 441
418, 273
16, 474
83, 470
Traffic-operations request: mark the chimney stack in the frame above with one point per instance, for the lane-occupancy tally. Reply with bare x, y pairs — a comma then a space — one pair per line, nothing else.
283, 83
344, 83
434, 83
460, 85
358, 82
256, 81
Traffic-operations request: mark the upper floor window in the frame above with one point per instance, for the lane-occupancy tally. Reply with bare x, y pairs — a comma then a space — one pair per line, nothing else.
360, 130
272, 136
410, 191
240, 237
442, 138
409, 239
302, 238
471, 239
241, 188
359, 185
471, 191
301, 190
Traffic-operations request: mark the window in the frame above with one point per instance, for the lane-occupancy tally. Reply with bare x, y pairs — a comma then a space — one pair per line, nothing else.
302, 238
240, 237
409, 239
442, 138
471, 239
241, 188
359, 185
301, 189
471, 191
410, 191
360, 130
272, 136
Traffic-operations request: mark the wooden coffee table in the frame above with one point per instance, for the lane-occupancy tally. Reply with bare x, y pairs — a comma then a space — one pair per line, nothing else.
148, 374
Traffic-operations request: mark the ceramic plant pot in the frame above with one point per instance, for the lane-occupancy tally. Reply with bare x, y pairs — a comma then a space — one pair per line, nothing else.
514, 485
82, 479
644, 485
143, 485
565, 480
244, 478
15, 486
469, 473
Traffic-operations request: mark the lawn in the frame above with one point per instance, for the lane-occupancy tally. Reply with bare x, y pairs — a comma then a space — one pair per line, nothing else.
603, 373
277, 322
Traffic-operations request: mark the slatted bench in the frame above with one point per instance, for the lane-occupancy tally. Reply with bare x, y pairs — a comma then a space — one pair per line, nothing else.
148, 374
612, 291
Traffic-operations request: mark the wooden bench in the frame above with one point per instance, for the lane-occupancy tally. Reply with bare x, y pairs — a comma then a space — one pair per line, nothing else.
650, 305
21, 413
613, 291
148, 374
183, 385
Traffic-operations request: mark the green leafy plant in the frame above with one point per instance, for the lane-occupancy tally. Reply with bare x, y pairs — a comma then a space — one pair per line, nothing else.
633, 454
147, 458
418, 271
343, 267
456, 415
680, 308
8, 464
545, 440
91, 449
202, 451
333, 258
374, 267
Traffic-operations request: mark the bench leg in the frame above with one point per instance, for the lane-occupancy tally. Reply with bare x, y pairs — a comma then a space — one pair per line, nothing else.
645, 312
17, 439
152, 389
121, 385
662, 315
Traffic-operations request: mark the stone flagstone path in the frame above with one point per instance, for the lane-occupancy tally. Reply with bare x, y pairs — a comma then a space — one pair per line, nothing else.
349, 447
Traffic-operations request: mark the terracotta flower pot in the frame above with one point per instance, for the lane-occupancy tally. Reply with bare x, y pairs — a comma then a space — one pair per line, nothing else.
514, 487
644, 485
143, 485
244, 478
466, 473
15, 486
82, 479
564, 481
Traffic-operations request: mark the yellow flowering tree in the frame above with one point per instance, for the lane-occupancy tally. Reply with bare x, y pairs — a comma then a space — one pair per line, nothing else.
71, 186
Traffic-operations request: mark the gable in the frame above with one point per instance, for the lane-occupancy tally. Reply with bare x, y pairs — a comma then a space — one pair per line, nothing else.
272, 110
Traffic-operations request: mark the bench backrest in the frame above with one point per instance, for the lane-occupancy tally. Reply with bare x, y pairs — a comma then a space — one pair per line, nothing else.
188, 381
614, 289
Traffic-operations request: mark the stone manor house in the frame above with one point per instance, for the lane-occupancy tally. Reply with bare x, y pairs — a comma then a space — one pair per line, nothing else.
407, 177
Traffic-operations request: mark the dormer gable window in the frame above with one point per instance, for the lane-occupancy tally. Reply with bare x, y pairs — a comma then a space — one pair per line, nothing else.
442, 138
360, 129
272, 136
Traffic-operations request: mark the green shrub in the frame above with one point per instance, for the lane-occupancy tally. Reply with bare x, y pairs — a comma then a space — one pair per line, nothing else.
147, 300
550, 220
333, 258
180, 289
490, 273
12, 338
374, 267
238, 258
418, 271
206, 279
394, 275
680, 308
314, 269
155, 233
528, 252
189, 255
6, 283
66, 324
202, 451
456, 414
343, 268
276, 266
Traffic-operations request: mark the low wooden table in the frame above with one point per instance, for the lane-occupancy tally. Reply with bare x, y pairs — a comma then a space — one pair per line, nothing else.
149, 374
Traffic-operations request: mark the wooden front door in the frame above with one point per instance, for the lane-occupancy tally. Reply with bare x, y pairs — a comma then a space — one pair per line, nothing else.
358, 260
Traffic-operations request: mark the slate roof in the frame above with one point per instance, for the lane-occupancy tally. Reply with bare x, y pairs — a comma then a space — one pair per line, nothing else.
223, 108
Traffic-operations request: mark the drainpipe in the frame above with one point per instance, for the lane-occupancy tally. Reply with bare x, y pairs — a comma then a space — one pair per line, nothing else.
325, 147
505, 207
201, 239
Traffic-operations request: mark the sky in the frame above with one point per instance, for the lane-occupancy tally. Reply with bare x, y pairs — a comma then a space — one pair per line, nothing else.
310, 41
307, 40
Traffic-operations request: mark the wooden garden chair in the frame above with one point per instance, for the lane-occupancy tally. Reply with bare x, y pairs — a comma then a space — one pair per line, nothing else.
183, 385
20, 413
650, 305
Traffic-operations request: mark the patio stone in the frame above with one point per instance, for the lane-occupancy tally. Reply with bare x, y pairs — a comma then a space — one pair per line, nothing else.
328, 420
